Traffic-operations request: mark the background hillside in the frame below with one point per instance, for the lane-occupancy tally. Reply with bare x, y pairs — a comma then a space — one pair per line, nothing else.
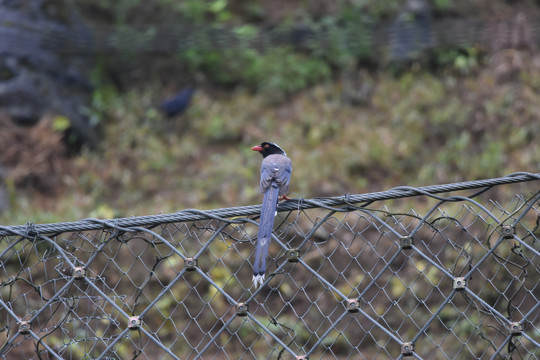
354, 111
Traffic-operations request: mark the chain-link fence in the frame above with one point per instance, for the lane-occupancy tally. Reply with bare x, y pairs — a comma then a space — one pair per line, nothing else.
400, 273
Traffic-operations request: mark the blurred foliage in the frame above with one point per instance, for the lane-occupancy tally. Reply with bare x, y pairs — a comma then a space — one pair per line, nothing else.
417, 128
456, 114
278, 72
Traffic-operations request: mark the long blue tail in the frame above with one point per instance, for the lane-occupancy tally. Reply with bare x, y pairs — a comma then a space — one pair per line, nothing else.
268, 213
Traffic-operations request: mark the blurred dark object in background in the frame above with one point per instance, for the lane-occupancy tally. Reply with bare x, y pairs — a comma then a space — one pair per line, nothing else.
411, 31
34, 78
178, 103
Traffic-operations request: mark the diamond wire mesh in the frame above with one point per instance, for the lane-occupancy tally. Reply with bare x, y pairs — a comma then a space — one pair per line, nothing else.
452, 279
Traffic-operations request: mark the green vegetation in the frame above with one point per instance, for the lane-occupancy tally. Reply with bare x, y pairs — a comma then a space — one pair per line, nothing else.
418, 128
457, 114
350, 122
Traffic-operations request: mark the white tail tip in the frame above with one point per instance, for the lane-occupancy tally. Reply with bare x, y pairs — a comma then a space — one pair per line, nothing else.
258, 280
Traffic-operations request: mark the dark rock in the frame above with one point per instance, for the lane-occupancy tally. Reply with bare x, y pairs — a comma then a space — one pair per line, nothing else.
36, 76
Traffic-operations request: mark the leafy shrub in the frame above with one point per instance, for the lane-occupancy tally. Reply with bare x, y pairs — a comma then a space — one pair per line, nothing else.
277, 71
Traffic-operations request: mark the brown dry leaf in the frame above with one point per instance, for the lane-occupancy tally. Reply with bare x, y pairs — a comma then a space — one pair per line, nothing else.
35, 156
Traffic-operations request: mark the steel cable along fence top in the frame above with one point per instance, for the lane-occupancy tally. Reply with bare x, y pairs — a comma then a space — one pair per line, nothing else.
427, 276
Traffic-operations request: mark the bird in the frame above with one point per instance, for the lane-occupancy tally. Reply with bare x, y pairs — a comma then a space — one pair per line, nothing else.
177, 103
276, 170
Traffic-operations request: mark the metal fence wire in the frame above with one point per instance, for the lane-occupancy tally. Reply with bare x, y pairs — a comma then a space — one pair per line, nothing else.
392, 274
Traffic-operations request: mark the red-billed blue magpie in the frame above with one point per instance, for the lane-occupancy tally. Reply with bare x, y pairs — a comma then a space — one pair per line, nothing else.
276, 171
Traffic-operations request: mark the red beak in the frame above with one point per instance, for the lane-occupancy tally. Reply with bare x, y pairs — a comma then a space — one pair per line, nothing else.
257, 148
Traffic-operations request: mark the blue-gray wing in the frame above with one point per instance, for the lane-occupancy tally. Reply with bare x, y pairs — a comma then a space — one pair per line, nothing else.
276, 168
283, 178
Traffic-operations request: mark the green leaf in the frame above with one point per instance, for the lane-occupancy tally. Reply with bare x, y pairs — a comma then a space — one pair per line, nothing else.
218, 6
60, 123
246, 30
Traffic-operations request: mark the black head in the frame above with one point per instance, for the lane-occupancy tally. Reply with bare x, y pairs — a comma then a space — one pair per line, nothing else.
268, 148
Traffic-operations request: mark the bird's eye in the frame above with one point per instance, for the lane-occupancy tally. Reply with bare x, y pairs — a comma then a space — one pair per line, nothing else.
266, 146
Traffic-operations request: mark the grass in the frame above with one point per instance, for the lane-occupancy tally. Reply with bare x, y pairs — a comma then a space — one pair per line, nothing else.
418, 128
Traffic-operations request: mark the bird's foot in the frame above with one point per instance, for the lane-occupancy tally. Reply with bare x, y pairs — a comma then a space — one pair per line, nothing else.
285, 197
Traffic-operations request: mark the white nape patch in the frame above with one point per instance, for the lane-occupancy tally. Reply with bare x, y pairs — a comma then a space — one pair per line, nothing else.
258, 280
279, 147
